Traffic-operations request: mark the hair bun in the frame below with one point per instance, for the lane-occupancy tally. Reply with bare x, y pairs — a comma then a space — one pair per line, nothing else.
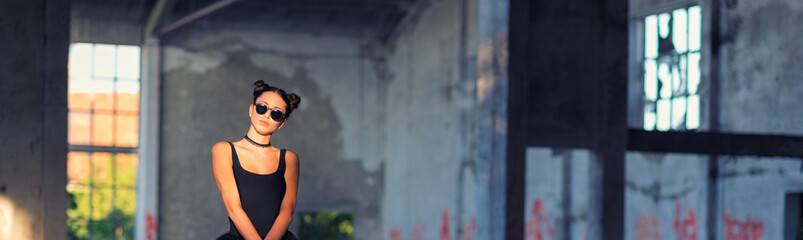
293, 100
260, 83
260, 86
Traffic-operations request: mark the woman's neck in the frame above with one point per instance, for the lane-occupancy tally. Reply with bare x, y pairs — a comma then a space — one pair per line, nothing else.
259, 138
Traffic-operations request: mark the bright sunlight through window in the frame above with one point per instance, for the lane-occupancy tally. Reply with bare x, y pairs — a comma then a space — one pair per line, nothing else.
672, 70
103, 136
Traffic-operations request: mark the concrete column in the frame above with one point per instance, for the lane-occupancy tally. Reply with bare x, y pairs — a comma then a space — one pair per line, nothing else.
33, 120
567, 89
148, 172
492, 94
609, 126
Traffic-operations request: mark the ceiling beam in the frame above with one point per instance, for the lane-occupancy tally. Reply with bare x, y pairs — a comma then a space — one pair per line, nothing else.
370, 6
409, 17
157, 12
195, 16
716, 143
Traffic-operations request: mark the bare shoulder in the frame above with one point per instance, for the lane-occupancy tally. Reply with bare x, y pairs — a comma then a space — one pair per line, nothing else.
220, 149
290, 156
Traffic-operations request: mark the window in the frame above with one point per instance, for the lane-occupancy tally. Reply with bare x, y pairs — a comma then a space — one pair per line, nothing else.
103, 135
672, 70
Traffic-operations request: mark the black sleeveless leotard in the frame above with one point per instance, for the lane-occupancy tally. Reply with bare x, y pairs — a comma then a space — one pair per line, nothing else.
260, 194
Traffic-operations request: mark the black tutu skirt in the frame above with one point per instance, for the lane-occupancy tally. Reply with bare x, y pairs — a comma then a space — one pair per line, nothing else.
228, 236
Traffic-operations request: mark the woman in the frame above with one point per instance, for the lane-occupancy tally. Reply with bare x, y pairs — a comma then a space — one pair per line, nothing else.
259, 182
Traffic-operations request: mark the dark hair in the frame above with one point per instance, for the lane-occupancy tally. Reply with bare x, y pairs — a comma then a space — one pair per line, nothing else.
292, 100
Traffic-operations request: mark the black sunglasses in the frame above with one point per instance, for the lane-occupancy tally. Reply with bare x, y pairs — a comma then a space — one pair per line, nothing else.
274, 113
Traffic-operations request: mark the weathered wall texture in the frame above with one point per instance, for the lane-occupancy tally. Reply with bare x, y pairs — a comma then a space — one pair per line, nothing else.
761, 88
208, 77
33, 120
759, 92
666, 196
430, 179
760, 71
557, 197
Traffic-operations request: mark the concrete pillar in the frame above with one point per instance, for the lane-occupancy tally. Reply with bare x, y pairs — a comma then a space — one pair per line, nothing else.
148, 172
492, 95
567, 89
33, 120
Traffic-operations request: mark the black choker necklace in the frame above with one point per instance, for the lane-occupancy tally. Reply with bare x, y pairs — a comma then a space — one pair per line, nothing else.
256, 143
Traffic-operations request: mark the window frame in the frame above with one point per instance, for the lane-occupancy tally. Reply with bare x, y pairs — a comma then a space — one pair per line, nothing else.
636, 96
114, 150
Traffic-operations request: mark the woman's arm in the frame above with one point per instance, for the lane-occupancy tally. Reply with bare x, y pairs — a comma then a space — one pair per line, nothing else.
224, 177
289, 200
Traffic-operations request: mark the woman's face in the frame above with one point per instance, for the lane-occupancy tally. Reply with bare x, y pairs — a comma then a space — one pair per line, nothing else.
263, 123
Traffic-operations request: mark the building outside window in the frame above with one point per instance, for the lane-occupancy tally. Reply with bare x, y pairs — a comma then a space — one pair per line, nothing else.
671, 71
103, 136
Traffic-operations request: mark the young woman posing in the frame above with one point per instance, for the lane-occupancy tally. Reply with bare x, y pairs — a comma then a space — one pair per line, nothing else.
259, 182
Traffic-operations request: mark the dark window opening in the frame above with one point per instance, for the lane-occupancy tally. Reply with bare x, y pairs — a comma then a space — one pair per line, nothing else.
793, 219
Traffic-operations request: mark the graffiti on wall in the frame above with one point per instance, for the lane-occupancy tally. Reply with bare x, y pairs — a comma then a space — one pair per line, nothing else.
647, 228
444, 231
150, 226
685, 226
539, 223
395, 234
748, 229
468, 231
418, 230
444, 225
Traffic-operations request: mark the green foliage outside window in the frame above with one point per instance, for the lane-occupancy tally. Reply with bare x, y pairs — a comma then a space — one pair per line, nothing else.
327, 225
103, 207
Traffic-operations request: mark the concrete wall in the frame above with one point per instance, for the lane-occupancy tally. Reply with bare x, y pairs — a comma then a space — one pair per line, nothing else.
338, 131
429, 192
666, 195
760, 86
377, 126
758, 92
557, 195
33, 120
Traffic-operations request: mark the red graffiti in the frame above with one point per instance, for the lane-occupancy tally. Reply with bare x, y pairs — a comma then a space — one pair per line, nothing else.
150, 226
418, 231
647, 228
445, 225
395, 234
685, 227
539, 221
736, 229
471, 228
